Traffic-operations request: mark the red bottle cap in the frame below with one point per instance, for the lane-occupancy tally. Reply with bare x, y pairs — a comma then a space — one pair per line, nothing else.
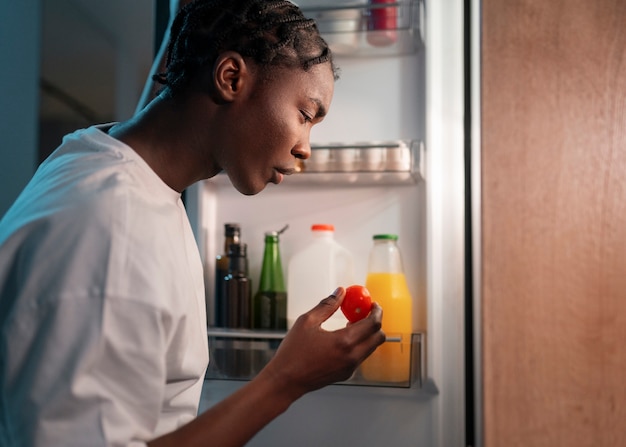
322, 227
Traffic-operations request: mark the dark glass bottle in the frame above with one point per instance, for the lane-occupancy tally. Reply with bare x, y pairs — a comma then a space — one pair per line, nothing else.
237, 289
270, 301
232, 356
232, 235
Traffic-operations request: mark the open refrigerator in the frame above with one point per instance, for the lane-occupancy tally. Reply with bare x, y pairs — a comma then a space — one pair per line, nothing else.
388, 158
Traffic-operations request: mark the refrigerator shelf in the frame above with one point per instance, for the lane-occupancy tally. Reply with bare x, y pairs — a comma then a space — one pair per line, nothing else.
239, 354
359, 164
368, 28
375, 162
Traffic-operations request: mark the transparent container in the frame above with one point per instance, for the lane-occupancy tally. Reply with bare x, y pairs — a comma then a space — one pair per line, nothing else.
368, 27
391, 362
398, 162
258, 348
382, 23
315, 272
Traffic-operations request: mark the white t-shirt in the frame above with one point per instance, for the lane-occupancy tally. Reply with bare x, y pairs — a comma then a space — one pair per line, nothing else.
102, 317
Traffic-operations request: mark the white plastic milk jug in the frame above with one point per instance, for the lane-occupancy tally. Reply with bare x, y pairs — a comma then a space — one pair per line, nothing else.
315, 272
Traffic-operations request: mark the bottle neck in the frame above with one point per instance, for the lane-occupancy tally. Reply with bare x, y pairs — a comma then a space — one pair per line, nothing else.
238, 266
323, 234
385, 258
231, 239
237, 259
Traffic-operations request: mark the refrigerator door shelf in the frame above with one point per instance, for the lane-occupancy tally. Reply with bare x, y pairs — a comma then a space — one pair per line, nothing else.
359, 164
377, 157
239, 354
368, 28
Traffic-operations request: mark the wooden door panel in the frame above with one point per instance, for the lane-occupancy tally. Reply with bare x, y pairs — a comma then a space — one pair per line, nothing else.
554, 222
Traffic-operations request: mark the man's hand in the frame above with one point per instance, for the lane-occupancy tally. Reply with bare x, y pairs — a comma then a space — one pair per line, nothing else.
310, 357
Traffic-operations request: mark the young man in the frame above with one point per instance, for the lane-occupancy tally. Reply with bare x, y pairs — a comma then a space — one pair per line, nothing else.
102, 326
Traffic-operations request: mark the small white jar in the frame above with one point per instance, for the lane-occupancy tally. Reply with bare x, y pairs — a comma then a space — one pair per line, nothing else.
398, 158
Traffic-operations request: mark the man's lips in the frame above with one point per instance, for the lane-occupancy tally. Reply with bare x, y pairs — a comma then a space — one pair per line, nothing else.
280, 173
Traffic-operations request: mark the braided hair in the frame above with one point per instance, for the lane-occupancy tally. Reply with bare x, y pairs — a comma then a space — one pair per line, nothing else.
270, 32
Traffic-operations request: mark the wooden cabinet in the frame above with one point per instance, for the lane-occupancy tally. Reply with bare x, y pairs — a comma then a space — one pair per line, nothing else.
553, 128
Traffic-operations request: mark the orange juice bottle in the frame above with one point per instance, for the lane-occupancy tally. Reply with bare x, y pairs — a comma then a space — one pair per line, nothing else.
391, 362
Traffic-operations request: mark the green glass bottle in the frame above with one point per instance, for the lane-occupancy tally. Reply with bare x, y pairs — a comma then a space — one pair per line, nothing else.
270, 301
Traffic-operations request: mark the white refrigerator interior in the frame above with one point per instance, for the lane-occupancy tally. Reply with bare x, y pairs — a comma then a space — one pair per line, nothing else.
416, 96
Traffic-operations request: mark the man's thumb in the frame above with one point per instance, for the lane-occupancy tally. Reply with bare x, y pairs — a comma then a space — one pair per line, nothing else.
329, 305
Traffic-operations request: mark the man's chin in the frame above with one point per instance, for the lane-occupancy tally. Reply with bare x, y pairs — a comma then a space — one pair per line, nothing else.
248, 189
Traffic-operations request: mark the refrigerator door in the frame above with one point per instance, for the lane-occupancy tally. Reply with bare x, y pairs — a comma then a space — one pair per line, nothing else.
409, 96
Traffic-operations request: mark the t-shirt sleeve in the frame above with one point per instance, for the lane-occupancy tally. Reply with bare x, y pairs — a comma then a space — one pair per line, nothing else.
86, 371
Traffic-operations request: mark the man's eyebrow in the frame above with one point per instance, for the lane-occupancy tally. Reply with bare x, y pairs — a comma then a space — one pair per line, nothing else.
321, 110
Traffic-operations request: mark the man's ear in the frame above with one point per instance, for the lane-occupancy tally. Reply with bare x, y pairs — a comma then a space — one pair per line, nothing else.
230, 75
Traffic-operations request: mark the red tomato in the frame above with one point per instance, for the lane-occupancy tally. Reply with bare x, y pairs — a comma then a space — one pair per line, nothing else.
357, 303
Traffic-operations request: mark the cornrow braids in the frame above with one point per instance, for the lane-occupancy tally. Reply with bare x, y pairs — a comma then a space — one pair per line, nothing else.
273, 32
